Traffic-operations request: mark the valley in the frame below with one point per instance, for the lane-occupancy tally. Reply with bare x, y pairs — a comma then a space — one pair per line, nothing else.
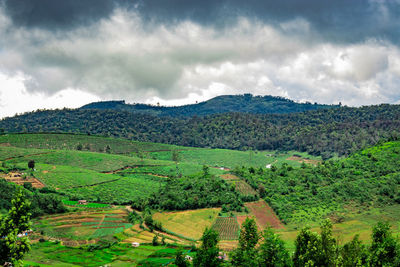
114, 175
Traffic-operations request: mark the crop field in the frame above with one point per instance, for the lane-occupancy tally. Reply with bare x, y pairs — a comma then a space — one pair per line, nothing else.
144, 236
216, 157
89, 143
85, 225
264, 215
99, 162
227, 228
243, 188
190, 223
53, 254
121, 191
64, 177
22, 178
170, 170
9, 153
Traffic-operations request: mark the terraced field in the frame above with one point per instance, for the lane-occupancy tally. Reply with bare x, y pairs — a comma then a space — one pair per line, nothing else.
84, 225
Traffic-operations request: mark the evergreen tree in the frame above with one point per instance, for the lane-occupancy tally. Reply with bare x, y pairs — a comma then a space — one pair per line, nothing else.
308, 249
207, 254
12, 247
245, 254
272, 251
328, 244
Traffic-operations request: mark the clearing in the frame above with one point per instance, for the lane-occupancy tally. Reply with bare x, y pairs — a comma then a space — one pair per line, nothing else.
189, 224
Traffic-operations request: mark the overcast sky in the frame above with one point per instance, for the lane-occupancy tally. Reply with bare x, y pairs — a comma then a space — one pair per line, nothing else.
56, 54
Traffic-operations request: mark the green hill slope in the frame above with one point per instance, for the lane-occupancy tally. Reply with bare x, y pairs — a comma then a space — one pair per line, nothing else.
222, 104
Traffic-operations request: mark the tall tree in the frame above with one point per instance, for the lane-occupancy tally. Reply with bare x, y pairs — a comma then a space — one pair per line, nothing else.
328, 244
354, 253
13, 247
245, 254
308, 249
384, 248
207, 254
272, 251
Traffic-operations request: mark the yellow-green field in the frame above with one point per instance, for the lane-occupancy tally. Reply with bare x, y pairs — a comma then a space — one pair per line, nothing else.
190, 223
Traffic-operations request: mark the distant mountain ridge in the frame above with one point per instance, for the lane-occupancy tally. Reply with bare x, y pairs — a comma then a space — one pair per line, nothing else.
246, 103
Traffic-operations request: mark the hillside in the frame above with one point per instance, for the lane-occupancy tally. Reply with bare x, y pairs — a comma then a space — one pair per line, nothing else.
325, 132
177, 191
221, 104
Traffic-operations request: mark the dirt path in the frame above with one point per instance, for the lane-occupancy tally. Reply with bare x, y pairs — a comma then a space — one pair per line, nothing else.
130, 167
301, 160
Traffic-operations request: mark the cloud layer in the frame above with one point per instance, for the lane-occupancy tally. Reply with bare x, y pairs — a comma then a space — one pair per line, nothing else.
155, 53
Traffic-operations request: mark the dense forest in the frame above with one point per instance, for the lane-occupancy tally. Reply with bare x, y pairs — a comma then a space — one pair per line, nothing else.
221, 104
195, 192
320, 132
43, 201
365, 179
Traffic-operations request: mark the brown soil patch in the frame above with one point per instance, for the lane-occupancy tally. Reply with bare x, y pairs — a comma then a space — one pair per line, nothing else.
221, 168
45, 171
264, 215
229, 176
301, 160
5, 144
17, 178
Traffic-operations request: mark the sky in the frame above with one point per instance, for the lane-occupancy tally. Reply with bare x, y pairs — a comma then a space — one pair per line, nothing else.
56, 54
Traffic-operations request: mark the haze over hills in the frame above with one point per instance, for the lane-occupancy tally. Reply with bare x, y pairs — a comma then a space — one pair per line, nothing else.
246, 103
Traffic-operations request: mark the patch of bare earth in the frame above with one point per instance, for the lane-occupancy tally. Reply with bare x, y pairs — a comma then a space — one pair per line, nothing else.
263, 214
301, 160
229, 176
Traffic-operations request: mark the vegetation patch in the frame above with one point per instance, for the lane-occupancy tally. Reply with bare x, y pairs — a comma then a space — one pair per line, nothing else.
190, 223
227, 228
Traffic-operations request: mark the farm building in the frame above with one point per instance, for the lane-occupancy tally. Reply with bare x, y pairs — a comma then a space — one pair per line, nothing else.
82, 202
135, 244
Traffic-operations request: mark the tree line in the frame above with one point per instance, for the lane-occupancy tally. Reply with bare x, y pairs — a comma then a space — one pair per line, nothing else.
323, 132
267, 249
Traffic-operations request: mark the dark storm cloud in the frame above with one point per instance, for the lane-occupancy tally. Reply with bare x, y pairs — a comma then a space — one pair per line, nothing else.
57, 14
338, 20
314, 50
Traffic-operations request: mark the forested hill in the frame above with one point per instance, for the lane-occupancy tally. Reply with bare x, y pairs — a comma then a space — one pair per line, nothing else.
222, 104
319, 132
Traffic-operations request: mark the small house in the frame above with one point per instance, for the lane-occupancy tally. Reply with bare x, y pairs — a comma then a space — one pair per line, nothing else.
188, 258
82, 202
135, 244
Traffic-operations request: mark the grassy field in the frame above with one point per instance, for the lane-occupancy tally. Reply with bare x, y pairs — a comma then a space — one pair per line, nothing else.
190, 223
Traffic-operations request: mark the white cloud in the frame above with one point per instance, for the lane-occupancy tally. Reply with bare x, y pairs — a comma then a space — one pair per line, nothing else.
15, 99
123, 58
